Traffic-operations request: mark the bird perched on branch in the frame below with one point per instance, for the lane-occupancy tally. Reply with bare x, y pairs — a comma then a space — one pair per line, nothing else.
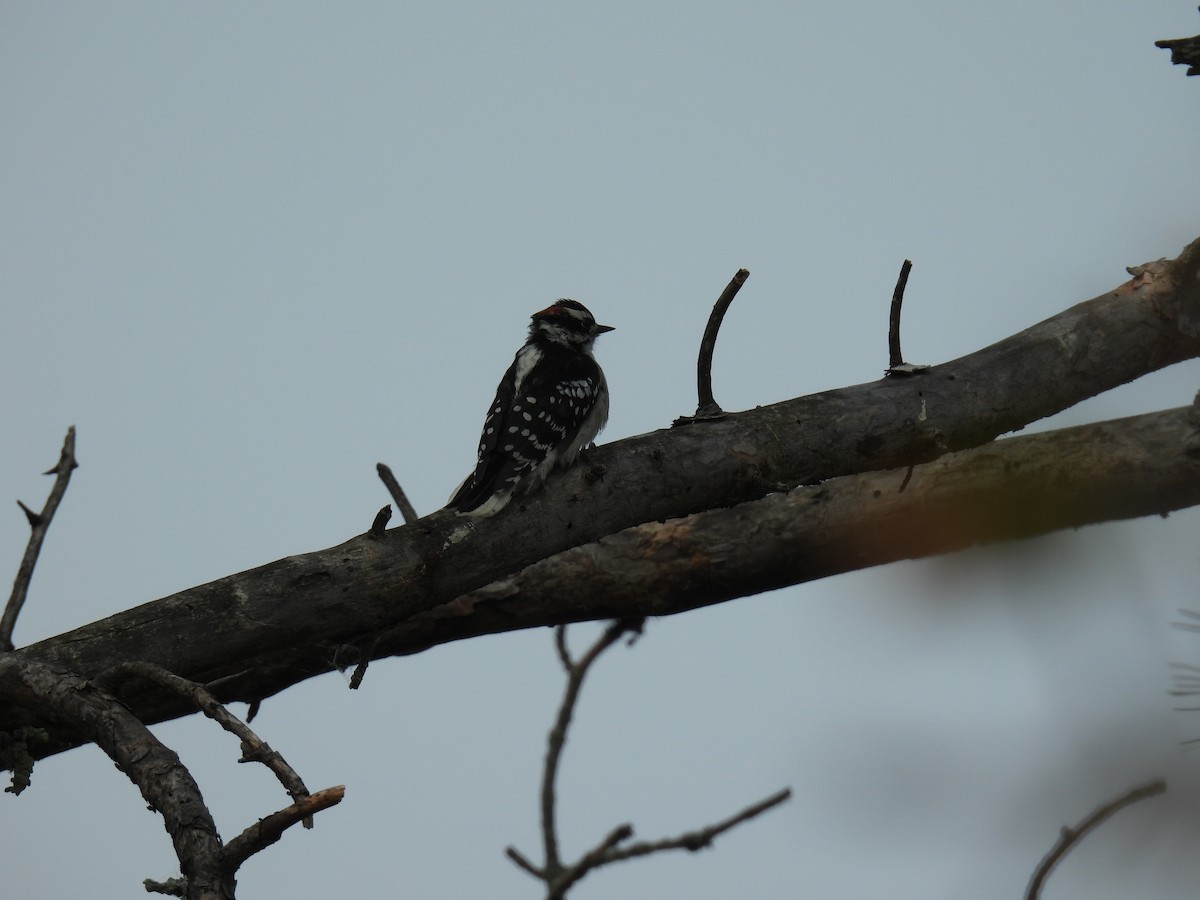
551, 403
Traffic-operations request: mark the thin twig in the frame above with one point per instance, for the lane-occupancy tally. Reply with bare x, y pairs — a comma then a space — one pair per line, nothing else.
254, 748
896, 363
265, 832
706, 406
697, 840
593, 859
397, 492
895, 358
39, 524
559, 878
576, 672
1069, 837
521, 860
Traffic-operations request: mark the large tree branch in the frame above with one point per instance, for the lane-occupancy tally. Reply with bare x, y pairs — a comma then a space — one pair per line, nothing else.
1020, 487
164, 781
254, 633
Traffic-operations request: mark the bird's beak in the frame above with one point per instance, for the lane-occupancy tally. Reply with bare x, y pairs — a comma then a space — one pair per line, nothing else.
600, 329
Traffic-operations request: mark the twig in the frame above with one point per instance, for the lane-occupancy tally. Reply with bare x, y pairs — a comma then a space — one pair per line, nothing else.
254, 748
265, 832
259, 836
706, 406
698, 840
397, 492
560, 878
521, 860
381, 519
593, 859
896, 363
895, 358
576, 672
39, 524
1069, 837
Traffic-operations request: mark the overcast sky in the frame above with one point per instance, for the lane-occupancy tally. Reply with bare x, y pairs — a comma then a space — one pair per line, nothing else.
251, 249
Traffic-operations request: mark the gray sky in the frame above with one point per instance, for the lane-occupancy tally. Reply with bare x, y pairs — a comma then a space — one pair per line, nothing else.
249, 250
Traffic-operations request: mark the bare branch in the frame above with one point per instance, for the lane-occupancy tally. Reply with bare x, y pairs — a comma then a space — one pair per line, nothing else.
896, 363
576, 672
697, 840
40, 524
593, 859
267, 831
173, 887
895, 357
397, 492
521, 860
254, 748
379, 525
559, 878
1072, 836
163, 780
706, 406
263, 630
1014, 488
608, 851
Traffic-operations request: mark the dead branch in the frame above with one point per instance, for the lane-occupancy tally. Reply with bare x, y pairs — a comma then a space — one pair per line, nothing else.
895, 357
240, 631
1184, 52
698, 840
174, 887
267, 831
254, 748
163, 780
1015, 488
397, 492
706, 406
259, 836
896, 363
1069, 837
576, 672
560, 878
379, 525
39, 524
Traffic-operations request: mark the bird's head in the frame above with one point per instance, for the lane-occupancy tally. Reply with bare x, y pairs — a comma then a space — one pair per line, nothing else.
566, 322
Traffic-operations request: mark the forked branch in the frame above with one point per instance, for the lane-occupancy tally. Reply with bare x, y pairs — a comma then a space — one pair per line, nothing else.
254, 748
39, 524
559, 878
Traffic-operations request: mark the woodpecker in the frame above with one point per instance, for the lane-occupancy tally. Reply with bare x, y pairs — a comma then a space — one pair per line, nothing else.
551, 403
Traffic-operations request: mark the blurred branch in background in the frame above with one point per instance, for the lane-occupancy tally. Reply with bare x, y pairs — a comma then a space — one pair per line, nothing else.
1069, 837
